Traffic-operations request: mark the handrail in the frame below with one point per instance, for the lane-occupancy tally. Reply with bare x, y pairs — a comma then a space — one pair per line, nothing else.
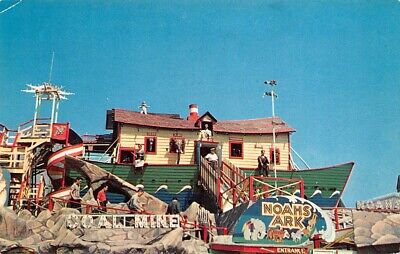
31, 121
337, 216
204, 229
88, 207
108, 148
233, 169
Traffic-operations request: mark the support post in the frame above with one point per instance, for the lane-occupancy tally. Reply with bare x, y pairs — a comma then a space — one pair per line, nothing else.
302, 189
51, 204
56, 113
336, 218
219, 194
205, 234
265, 189
251, 189
36, 115
234, 194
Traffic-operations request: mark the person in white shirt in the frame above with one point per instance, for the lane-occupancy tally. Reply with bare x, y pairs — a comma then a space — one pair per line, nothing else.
212, 158
75, 193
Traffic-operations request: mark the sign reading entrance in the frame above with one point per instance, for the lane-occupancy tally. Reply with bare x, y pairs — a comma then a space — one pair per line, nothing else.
283, 220
122, 221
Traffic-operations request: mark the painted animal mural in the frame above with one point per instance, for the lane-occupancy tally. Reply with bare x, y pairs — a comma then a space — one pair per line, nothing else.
311, 224
254, 229
296, 236
276, 234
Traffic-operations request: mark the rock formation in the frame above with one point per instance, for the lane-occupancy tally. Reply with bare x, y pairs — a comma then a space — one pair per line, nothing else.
47, 233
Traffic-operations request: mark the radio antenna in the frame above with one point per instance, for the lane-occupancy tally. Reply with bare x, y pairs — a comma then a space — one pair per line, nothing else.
51, 67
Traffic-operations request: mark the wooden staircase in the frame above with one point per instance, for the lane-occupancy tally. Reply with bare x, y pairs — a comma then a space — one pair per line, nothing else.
19, 151
228, 185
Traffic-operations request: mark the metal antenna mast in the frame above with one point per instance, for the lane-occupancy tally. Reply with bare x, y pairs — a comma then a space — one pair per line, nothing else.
51, 67
274, 96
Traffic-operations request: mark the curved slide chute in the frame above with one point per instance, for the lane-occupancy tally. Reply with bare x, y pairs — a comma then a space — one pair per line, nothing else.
56, 162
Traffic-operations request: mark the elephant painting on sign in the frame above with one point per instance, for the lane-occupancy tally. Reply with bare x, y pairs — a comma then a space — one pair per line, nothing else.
254, 229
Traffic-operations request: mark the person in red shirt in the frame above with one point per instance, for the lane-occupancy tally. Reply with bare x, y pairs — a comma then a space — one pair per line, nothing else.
102, 198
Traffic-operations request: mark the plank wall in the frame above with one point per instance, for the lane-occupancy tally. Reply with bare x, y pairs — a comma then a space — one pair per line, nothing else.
252, 146
131, 136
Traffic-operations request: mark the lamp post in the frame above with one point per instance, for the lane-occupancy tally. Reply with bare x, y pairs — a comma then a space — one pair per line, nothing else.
273, 95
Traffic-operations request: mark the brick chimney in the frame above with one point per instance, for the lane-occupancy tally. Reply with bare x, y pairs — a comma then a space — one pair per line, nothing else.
193, 113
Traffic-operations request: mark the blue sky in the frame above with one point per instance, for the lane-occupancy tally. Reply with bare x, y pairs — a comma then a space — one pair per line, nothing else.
337, 64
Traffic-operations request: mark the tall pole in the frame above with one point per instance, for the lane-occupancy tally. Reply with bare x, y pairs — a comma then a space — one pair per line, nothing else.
35, 116
51, 67
273, 83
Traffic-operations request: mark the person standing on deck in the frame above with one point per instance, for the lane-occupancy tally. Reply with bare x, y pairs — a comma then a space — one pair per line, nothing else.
75, 193
179, 149
139, 161
102, 199
174, 207
263, 164
212, 158
134, 204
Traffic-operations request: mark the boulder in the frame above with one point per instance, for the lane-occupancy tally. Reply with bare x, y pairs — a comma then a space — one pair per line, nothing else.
49, 223
79, 251
25, 215
117, 237
173, 239
194, 246
96, 235
63, 212
135, 237
191, 211
65, 238
102, 248
5, 242
32, 224
47, 235
44, 216
32, 240
46, 247
12, 227
59, 224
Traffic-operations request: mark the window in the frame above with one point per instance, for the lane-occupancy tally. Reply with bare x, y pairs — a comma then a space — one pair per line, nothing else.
126, 155
150, 145
177, 145
277, 154
236, 150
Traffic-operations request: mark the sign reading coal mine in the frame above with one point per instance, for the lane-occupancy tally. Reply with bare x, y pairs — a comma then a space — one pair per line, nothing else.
121, 221
283, 220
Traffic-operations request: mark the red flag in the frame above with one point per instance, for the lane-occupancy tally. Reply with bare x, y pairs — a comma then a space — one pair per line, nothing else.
60, 131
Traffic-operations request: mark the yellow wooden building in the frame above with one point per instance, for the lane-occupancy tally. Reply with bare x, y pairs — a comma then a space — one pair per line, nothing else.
169, 139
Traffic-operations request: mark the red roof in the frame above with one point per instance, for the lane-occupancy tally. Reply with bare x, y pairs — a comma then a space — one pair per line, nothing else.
151, 120
253, 126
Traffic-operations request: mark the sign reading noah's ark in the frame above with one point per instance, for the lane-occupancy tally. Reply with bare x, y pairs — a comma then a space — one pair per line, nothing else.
283, 220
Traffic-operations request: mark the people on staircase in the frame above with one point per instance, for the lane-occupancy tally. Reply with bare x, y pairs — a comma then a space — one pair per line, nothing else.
174, 207
212, 158
75, 193
263, 164
102, 198
133, 204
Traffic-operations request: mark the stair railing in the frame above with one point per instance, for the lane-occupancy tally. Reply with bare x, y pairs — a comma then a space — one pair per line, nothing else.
234, 173
210, 179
